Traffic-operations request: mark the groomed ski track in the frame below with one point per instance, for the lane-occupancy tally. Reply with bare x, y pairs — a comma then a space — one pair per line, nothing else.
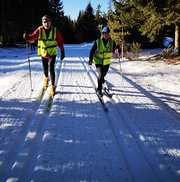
76, 140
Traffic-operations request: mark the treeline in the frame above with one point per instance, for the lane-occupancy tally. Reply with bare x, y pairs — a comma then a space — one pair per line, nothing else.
141, 21
19, 16
145, 21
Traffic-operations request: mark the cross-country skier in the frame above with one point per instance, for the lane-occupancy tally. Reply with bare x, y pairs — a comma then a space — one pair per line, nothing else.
101, 54
48, 39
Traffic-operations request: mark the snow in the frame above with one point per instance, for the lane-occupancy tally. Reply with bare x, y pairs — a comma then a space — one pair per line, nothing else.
72, 138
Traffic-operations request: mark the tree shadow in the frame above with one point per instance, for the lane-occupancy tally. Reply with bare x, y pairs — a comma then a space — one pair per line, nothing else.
80, 142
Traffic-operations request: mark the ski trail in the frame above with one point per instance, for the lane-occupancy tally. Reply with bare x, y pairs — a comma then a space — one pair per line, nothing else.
81, 141
130, 147
22, 155
14, 125
75, 140
145, 126
136, 94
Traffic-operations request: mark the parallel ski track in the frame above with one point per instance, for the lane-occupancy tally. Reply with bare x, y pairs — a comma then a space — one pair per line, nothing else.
114, 132
101, 100
24, 149
14, 87
159, 102
168, 172
123, 114
12, 149
16, 157
28, 171
112, 104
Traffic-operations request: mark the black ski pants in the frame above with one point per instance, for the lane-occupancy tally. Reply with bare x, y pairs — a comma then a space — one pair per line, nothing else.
49, 64
102, 71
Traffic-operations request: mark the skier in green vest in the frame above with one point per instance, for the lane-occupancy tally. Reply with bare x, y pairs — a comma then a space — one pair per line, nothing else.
48, 40
101, 54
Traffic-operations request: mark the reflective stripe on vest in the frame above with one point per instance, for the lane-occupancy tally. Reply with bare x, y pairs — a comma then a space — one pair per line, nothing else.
103, 53
47, 45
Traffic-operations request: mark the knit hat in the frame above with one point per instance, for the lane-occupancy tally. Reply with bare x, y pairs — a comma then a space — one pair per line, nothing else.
106, 30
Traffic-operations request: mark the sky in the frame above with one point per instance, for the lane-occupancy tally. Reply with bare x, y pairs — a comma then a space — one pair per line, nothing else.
72, 7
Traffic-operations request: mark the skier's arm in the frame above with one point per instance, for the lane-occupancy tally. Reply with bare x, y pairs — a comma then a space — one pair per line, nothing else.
60, 44
33, 36
92, 51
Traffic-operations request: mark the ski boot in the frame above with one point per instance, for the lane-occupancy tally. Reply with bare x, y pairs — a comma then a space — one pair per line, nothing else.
45, 82
52, 90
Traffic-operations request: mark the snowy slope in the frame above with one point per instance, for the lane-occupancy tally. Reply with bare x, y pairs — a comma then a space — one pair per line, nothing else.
73, 138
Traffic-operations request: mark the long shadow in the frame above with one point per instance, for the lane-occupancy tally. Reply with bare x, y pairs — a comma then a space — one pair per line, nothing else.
78, 140
15, 117
36, 65
157, 100
78, 144
13, 65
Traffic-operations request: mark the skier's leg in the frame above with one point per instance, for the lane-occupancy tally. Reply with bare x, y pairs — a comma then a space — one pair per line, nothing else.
45, 70
99, 69
52, 74
104, 71
45, 66
52, 69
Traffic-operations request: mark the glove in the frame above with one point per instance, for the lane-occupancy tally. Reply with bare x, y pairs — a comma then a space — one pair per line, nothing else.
90, 62
62, 55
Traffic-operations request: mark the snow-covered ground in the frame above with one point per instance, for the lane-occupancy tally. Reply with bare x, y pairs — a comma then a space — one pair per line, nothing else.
72, 138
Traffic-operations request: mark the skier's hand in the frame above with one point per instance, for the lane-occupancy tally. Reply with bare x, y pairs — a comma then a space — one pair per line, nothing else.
62, 55
25, 36
116, 53
90, 62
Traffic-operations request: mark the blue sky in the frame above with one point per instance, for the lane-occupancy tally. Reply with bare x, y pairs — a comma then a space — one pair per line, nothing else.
72, 7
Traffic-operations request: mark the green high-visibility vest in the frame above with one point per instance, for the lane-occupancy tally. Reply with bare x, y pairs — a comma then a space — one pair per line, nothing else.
47, 45
103, 53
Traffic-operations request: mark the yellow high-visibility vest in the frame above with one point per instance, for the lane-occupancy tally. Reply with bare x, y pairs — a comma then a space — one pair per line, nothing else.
47, 45
103, 53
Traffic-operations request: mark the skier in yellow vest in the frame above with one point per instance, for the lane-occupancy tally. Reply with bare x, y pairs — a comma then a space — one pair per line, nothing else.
101, 54
48, 40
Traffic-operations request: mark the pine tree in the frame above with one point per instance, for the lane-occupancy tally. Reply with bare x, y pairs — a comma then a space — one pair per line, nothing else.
120, 21
100, 18
149, 17
160, 14
86, 26
67, 30
56, 8
56, 12
18, 16
172, 16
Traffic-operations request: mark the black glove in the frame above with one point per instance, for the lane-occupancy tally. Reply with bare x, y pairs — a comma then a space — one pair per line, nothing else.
62, 55
90, 62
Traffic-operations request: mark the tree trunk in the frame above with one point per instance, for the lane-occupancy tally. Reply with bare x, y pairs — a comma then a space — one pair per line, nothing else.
177, 38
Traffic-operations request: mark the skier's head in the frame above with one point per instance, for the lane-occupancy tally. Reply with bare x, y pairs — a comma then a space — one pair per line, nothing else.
46, 21
105, 32
106, 29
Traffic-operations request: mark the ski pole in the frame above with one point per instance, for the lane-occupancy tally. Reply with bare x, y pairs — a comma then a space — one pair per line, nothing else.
120, 60
27, 48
